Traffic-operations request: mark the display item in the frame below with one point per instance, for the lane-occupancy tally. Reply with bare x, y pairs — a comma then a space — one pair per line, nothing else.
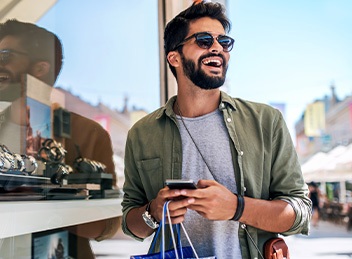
52, 154
15, 163
30, 164
84, 165
51, 151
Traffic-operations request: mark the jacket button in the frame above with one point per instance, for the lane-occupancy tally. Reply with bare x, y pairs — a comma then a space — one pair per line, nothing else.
228, 120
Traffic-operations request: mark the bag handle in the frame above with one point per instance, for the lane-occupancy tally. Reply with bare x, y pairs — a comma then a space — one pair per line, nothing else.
179, 235
162, 223
162, 226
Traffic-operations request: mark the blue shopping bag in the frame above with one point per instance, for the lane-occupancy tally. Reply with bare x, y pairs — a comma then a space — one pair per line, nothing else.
170, 254
179, 251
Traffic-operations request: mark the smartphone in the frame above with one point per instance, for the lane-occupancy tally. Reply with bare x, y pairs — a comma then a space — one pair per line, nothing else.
180, 184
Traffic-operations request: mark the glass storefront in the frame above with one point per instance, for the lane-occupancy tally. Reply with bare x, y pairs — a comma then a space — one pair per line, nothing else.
74, 77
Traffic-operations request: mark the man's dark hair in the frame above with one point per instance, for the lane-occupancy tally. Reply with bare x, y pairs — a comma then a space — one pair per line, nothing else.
177, 29
41, 44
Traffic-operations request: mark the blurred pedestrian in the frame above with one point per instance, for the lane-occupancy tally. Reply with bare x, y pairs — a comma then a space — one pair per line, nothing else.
349, 215
314, 195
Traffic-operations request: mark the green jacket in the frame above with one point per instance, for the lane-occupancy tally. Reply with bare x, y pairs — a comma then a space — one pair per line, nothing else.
264, 158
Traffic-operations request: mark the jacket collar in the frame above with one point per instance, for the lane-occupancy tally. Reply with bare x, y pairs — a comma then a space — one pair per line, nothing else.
225, 101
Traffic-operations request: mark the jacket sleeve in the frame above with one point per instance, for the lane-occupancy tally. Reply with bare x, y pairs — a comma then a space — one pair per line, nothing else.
133, 190
287, 181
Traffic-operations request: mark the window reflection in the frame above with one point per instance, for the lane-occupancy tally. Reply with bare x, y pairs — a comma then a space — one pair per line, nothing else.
102, 98
66, 105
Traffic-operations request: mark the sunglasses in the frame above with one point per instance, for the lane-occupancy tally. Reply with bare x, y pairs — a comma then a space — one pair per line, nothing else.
205, 40
7, 54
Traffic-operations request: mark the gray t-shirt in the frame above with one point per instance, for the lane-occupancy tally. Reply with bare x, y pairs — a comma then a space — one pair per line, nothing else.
209, 132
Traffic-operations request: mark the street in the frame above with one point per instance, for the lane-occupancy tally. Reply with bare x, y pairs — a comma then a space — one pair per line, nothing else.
328, 241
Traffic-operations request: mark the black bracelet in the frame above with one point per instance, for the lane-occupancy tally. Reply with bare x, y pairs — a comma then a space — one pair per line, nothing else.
240, 208
148, 206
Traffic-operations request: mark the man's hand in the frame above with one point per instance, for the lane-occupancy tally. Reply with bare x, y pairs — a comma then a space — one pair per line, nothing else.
215, 202
212, 200
177, 208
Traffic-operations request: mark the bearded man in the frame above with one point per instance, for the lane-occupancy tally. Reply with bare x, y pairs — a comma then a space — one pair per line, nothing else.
249, 182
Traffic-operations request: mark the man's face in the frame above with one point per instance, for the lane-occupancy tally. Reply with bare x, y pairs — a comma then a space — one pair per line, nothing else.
14, 62
206, 68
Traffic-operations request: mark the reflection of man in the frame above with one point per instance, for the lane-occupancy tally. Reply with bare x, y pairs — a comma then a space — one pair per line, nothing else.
28, 49
24, 50
250, 186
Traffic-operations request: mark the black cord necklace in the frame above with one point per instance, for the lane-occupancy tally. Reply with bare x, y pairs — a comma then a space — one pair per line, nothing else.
189, 133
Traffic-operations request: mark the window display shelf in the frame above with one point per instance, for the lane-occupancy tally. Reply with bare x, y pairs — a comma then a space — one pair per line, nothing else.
24, 217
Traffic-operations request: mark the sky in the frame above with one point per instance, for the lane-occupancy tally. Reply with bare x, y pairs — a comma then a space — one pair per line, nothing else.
285, 51
110, 50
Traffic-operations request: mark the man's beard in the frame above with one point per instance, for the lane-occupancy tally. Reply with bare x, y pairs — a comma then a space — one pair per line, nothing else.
199, 77
10, 89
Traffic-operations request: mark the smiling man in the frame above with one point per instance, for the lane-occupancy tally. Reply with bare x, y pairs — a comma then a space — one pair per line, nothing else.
250, 186
24, 49
28, 49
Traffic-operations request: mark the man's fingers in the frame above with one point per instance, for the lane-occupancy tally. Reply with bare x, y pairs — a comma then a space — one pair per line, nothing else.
177, 212
176, 220
206, 183
180, 203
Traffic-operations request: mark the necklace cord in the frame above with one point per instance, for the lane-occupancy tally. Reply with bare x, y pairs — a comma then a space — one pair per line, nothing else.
189, 133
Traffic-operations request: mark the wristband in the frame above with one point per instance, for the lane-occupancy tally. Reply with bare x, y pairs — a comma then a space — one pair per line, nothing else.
240, 208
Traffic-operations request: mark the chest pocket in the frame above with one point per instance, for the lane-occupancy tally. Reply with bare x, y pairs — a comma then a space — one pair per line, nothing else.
150, 172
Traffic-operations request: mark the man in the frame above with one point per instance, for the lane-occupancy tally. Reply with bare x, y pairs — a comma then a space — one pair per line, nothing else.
314, 195
18, 57
250, 185
28, 49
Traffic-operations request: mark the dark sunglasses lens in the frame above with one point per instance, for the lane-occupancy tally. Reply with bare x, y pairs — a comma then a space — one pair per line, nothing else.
4, 57
226, 42
204, 40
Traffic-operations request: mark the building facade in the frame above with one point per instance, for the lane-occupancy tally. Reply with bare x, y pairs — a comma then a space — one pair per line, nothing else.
336, 129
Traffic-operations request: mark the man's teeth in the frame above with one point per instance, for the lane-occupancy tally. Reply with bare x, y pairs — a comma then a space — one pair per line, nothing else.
3, 78
214, 62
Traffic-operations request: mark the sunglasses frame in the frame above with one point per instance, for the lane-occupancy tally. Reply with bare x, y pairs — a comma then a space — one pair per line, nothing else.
195, 35
7, 59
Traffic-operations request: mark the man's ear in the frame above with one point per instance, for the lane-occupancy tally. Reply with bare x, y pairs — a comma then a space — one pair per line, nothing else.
40, 70
173, 57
